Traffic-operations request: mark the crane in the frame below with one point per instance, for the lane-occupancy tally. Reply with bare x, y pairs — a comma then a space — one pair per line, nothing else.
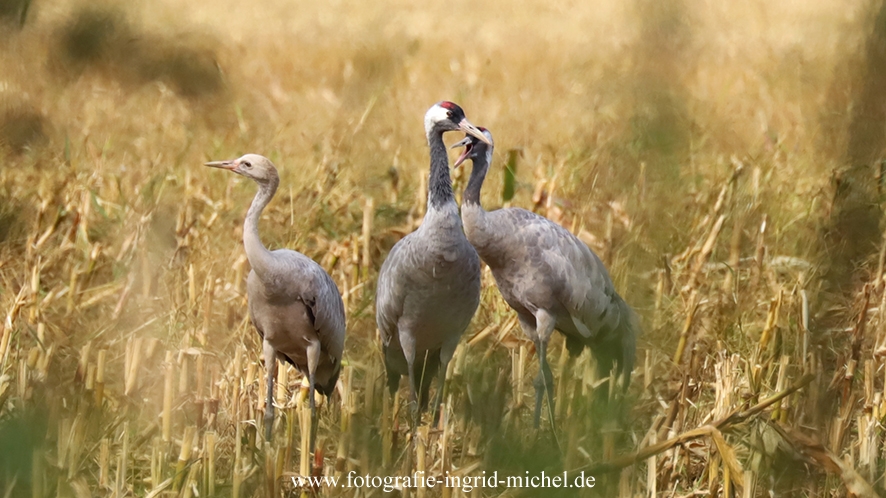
550, 278
294, 304
429, 284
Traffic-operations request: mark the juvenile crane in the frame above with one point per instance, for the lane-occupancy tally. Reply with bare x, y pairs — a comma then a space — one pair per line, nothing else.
429, 285
293, 303
550, 278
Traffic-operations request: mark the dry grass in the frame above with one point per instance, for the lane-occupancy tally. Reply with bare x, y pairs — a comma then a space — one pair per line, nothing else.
692, 144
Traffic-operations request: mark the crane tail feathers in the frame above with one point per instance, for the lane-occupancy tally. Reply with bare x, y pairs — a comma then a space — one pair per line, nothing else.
619, 345
628, 330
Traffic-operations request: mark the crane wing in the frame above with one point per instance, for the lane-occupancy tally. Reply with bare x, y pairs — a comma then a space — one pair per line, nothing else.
329, 314
574, 275
390, 295
539, 264
588, 293
307, 281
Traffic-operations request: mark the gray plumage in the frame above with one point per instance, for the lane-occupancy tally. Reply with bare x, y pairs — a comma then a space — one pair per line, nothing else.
550, 278
293, 303
429, 285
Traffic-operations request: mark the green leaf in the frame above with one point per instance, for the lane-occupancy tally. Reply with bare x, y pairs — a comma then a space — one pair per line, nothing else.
507, 192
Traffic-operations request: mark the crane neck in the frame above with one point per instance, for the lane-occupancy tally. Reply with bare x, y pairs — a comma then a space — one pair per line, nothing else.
439, 182
478, 175
259, 256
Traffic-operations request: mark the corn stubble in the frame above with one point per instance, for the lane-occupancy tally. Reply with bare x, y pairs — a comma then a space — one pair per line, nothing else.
128, 366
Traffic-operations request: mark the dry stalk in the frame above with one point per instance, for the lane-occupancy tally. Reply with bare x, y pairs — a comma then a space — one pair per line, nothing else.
208, 295
104, 463
184, 456
804, 321
659, 294
881, 260
652, 472
705, 252
135, 358
421, 455
780, 412
190, 481
518, 359
691, 308
304, 418
771, 320
157, 459
237, 475
124, 452
6, 332
736, 417
860, 323
341, 455
366, 242
387, 428
608, 244
84, 361
209, 439
729, 282
814, 452
199, 381
167, 398
146, 274
562, 381
282, 383
759, 254
183, 372
732, 470
35, 290
90, 376
192, 290
445, 456
100, 377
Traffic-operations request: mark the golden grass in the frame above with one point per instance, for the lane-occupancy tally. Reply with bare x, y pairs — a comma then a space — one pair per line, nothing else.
666, 134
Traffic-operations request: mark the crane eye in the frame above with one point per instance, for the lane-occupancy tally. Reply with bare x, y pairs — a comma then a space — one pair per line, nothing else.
247, 164
449, 114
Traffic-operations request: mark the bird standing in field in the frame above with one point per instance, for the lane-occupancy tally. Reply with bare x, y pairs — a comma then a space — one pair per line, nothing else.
293, 302
550, 278
429, 285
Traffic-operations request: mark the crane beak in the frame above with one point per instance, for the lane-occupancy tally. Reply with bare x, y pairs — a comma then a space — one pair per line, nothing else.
466, 143
228, 165
472, 130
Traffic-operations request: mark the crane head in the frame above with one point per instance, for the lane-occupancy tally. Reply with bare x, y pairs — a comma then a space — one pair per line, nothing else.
447, 116
474, 147
254, 166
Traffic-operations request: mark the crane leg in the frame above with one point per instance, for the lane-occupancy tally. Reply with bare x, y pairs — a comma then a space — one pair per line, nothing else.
422, 382
544, 383
313, 354
407, 343
313, 442
438, 398
270, 357
446, 354
413, 398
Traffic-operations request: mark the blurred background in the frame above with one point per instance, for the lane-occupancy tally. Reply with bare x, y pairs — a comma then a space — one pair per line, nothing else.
725, 159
